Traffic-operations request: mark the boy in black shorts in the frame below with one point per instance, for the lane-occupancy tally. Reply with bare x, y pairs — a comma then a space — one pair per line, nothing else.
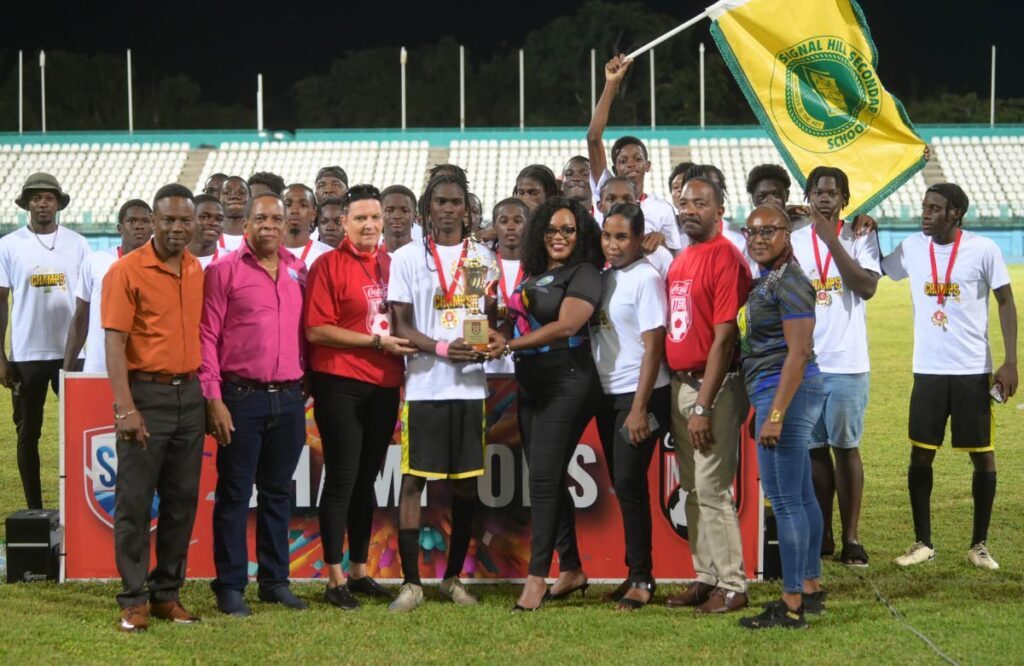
445, 386
951, 272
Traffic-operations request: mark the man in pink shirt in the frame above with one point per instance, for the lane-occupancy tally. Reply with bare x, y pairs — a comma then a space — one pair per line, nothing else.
252, 370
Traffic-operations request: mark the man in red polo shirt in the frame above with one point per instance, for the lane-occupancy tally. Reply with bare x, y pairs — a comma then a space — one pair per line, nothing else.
708, 283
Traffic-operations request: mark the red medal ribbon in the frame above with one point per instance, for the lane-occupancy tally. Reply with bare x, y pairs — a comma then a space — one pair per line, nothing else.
501, 279
449, 289
940, 292
823, 272
305, 253
220, 241
120, 252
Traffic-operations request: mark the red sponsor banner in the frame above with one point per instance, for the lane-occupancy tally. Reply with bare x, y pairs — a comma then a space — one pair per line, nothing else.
500, 548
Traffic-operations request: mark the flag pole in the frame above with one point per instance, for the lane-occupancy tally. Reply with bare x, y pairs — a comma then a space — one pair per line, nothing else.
668, 35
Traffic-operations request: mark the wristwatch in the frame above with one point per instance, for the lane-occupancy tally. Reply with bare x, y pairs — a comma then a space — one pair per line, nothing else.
700, 410
775, 416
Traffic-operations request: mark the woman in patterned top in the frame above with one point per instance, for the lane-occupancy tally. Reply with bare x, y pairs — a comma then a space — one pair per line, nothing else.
784, 385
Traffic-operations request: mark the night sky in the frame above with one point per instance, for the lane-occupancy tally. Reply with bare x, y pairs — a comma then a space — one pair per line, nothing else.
924, 45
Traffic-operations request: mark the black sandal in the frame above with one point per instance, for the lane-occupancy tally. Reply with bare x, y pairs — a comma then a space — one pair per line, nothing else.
618, 592
632, 604
854, 555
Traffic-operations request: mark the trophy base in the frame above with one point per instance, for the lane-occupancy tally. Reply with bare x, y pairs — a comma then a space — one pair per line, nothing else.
476, 333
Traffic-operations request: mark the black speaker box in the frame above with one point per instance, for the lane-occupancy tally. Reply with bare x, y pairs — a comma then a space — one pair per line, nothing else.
33, 545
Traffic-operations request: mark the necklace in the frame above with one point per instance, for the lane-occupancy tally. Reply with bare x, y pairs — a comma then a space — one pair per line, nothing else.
40, 241
379, 282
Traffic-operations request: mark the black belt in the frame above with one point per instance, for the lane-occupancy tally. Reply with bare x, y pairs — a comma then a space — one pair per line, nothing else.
162, 378
269, 387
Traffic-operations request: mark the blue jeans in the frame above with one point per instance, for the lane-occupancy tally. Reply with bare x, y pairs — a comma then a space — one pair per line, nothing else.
270, 431
786, 479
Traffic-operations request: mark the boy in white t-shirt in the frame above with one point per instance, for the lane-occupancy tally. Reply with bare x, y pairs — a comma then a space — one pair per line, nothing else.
135, 224
631, 160
39, 266
951, 273
844, 270
510, 217
300, 218
445, 385
205, 244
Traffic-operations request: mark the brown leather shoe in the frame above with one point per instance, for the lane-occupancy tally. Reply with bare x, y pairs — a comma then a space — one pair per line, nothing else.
172, 610
134, 619
694, 595
722, 601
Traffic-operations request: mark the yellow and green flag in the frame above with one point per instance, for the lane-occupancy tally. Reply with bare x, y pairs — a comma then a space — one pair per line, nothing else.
807, 67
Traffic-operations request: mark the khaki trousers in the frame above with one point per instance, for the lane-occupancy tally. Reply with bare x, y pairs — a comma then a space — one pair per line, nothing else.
707, 479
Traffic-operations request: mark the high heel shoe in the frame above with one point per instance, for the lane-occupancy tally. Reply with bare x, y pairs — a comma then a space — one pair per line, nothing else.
582, 587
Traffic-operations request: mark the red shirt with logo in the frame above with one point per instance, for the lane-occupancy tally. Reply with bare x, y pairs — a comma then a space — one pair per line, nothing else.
707, 285
347, 288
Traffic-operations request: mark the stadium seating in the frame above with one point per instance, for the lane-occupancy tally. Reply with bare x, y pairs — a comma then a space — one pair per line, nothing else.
100, 173
989, 168
379, 162
736, 157
492, 165
99, 177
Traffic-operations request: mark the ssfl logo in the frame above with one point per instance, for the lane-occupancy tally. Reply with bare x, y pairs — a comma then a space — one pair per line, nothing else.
100, 472
827, 91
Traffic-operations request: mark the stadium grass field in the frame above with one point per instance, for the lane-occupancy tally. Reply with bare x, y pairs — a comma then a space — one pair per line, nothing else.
971, 615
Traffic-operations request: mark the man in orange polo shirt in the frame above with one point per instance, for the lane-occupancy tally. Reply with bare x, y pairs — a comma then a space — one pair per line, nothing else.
151, 305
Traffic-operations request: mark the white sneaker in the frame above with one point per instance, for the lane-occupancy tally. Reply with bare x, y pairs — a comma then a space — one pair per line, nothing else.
979, 557
916, 554
454, 590
409, 597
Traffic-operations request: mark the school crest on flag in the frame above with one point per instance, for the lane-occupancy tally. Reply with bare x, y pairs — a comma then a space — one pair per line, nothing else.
808, 70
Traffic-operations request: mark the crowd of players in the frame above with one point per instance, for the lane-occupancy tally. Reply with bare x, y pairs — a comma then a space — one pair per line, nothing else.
220, 313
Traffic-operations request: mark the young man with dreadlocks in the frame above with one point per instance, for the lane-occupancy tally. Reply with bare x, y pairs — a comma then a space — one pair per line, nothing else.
951, 273
445, 385
629, 159
844, 269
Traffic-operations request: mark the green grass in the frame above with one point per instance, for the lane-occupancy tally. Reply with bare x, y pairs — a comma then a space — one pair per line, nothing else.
973, 616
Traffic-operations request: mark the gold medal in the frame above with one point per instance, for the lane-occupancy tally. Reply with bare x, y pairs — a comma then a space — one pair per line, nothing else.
449, 318
824, 299
940, 319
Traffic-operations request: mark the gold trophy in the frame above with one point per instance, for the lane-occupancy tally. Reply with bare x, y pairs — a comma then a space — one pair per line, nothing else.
475, 328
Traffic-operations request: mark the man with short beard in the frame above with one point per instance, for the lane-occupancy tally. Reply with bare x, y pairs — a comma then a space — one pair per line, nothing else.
205, 245
331, 182
398, 206
234, 196
300, 218
708, 283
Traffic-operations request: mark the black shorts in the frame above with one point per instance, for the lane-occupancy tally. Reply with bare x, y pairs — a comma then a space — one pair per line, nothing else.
963, 399
443, 439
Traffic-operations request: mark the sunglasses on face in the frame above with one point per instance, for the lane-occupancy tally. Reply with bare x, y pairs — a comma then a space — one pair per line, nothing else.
564, 232
765, 233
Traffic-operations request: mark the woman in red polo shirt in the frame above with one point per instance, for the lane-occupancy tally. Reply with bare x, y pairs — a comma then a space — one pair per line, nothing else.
357, 371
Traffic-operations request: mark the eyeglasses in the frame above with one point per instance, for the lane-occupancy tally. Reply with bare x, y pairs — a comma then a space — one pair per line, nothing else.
766, 232
564, 232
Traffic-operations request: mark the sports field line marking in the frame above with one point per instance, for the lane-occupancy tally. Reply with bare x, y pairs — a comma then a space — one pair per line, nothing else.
902, 620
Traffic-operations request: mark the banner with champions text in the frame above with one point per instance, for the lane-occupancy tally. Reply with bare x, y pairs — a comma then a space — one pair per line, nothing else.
808, 70
500, 549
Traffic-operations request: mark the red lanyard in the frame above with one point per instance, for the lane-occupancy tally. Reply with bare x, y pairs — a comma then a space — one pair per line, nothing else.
940, 291
220, 241
120, 252
449, 289
823, 272
501, 280
642, 197
305, 253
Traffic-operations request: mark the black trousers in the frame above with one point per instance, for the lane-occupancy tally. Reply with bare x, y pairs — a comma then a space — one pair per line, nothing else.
558, 394
627, 467
170, 464
28, 398
356, 421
